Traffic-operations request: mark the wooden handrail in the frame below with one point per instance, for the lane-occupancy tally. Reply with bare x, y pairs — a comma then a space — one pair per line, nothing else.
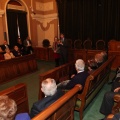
56, 105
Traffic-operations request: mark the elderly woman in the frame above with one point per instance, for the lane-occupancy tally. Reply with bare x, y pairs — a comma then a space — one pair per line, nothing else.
8, 108
8, 54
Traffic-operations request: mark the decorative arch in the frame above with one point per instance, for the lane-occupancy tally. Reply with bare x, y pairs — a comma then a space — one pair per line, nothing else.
28, 19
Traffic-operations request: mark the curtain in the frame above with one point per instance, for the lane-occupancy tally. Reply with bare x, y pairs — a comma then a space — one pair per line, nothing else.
16, 18
93, 19
22, 22
12, 27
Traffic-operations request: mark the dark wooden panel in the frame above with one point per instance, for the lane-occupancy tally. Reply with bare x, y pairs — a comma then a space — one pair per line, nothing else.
19, 94
10, 69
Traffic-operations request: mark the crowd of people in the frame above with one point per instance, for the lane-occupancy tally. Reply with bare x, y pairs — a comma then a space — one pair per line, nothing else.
18, 50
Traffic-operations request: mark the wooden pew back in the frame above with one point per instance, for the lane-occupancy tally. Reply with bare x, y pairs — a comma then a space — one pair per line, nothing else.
19, 94
94, 83
16, 67
98, 76
60, 74
62, 109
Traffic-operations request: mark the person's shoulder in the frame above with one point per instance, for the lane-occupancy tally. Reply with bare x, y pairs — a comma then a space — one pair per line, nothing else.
59, 93
22, 116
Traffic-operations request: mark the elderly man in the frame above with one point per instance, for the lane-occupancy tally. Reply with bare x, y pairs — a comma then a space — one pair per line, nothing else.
49, 88
78, 78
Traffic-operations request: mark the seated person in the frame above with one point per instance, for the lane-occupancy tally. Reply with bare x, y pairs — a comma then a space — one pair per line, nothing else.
49, 88
8, 108
16, 52
8, 54
22, 116
105, 56
20, 46
28, 46
113, 117
78, 78
5, 45
99, 59
93, 64
108, 100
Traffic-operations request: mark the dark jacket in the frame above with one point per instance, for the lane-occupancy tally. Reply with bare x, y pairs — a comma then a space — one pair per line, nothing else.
79, 78
17, 53
44, 103
3, 47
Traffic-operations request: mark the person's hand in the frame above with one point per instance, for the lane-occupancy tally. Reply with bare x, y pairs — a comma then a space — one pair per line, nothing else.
72, 75
89, 68
117, 89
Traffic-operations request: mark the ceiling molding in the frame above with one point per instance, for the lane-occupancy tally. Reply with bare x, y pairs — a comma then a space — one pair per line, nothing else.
45, 19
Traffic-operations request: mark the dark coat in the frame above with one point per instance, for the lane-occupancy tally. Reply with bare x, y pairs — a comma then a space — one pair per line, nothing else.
79, 78
17, 53
3, 47
44, 103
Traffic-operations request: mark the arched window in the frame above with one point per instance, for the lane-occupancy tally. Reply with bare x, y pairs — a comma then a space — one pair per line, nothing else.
16, 21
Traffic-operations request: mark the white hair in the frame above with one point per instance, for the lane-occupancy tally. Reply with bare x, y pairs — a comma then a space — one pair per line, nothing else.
49, 87
8, 108
80, 65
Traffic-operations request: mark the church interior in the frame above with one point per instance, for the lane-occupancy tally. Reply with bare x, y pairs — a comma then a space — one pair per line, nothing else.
29, 54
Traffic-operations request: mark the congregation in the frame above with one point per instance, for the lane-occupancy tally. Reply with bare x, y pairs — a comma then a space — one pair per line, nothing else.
60, 60
53, 91
20, 49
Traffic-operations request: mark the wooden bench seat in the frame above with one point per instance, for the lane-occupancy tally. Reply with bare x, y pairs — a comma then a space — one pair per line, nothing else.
94, 82
19, 94
93, 85
62, 109
60, 74
16, 67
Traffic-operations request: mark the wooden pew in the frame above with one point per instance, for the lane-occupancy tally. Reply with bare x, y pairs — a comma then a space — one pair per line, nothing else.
94, 82
59, 74
19, 94
16, 67
62, 109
